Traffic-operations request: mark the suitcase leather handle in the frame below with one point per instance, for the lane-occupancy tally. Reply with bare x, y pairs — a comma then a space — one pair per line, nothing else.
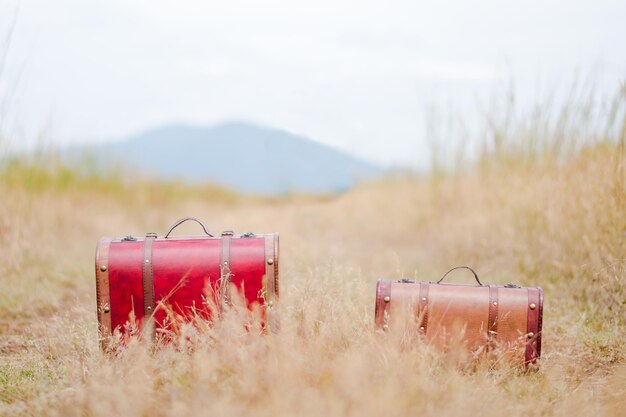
181, 221
461, 267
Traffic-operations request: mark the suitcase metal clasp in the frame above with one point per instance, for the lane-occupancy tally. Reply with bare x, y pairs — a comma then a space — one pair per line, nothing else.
512, 286
407, 281
129, 239
248, 234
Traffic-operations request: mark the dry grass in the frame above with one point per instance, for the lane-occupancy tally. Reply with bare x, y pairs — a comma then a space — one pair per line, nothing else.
554, 222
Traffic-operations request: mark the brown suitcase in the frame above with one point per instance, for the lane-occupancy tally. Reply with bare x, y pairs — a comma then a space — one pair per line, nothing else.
482, 317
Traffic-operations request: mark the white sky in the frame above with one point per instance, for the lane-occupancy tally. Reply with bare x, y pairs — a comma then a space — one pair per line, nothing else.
354, 74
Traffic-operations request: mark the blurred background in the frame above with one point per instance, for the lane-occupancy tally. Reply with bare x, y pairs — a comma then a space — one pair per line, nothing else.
299, 96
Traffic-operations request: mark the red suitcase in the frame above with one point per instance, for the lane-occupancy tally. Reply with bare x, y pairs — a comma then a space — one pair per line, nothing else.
481, 318
170, 279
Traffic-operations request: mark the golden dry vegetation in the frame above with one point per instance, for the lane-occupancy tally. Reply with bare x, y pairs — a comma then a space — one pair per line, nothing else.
536, 217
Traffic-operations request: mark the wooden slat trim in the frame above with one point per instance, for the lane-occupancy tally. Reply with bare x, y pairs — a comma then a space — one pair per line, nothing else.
103, 291
532, 326
147, 273
492, 320
423, 306
225, 271
270, 283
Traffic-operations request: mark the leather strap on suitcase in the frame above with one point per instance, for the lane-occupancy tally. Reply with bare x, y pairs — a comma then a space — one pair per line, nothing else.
148, 281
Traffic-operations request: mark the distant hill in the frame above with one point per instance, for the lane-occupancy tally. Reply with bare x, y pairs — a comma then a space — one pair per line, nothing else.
242, 156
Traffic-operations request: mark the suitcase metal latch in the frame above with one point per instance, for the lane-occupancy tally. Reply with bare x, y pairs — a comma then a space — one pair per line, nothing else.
407, 281
248, 234
129, 239
512, 286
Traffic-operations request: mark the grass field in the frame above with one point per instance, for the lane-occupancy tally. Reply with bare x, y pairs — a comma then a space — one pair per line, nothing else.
526, 212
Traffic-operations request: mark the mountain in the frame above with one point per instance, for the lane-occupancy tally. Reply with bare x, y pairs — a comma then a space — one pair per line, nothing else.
242, 156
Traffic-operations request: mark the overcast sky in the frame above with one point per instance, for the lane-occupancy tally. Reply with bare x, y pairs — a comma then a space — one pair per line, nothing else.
354, 74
